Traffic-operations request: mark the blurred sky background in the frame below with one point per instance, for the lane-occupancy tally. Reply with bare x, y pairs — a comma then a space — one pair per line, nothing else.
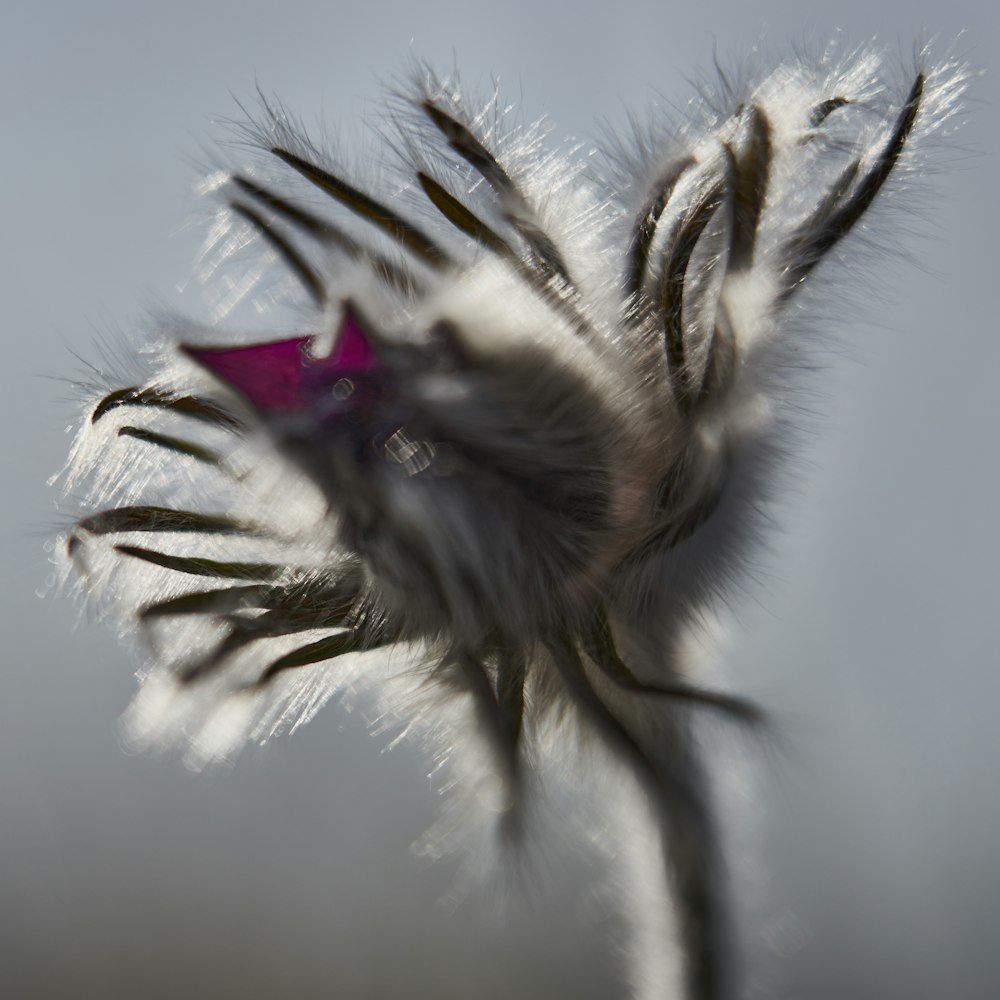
871, 624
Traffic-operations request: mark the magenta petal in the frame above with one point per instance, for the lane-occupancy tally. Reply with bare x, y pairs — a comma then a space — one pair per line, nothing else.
283, 375
269, 375
353, 351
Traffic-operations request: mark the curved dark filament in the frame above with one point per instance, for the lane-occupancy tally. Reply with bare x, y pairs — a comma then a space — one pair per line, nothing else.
207, 602
749, 171
571, 671
645, 225
834, 219
189, 406
368, 208
539, 277
180, 446
824, 109
165, 519
463, 142
197, 566
327, 648
294, 260
517, 211
600, 647
462, 218
301, 606
327, 233
671, 289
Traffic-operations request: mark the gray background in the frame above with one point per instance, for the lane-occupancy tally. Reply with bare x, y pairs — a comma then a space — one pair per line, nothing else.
869, 629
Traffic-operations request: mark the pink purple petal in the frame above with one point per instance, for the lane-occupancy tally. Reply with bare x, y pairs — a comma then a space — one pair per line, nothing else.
282, 375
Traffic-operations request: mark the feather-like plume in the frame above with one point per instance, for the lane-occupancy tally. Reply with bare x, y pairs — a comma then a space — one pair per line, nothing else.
515, 448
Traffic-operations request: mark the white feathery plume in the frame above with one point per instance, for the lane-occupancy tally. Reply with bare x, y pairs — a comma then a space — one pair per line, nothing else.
516, 446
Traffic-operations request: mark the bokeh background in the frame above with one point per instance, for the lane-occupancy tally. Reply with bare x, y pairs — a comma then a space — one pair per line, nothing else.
869, 628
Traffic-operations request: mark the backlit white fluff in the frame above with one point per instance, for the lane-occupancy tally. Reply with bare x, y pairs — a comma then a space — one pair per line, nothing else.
516, 444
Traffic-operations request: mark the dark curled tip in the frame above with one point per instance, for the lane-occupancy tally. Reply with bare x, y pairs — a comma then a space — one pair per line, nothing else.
294, 260
749, 170
836, 217
189, 406
175, 444
368, 208
824, 109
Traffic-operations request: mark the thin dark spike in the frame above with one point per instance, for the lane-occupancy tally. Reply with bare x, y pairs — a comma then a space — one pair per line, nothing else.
175, 444
671, 297
516, 209
644, 228
463, 142
311, 602
286, 613
811, 248
243, 631
748, 180
190, 406
311, 224
538, 272
328, 648
463, 219
327, 233
294, 260
601, 649
231, 643
162, 519
208, 602
204, 567
361, 204
824, 109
